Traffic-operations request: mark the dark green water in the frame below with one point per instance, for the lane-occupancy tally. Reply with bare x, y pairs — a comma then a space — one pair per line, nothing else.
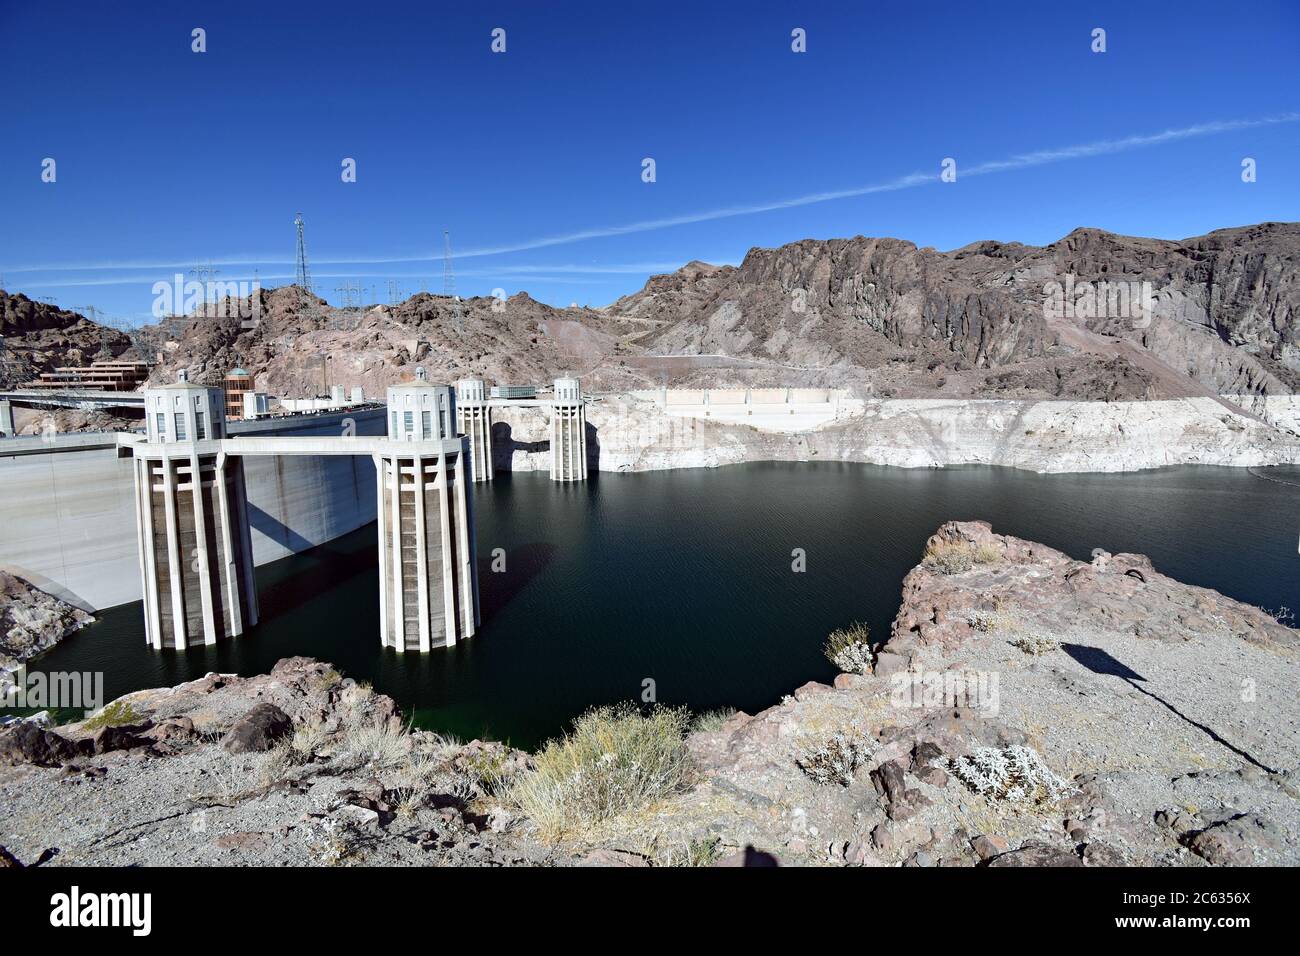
684, 578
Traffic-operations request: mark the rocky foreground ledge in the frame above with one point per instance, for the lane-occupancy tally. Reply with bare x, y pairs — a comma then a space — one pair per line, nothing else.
1027, 709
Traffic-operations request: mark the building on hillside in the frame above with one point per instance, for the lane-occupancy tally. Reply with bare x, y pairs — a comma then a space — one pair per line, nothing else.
96, 377
237, 382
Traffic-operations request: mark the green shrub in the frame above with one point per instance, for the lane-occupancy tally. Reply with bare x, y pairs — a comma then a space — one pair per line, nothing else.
615, 760
117, 714
488, 769
711, 720
378, 746
849, 648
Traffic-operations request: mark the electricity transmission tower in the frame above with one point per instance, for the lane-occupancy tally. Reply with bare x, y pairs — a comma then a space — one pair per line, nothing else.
96, 315
449, 281
351, 294
204, 273
303, 279
394, 292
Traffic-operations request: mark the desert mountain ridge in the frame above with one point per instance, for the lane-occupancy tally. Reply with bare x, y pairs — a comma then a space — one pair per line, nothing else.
878, 316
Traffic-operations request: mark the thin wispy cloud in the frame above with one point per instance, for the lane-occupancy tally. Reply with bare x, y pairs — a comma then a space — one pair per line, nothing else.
911, 180
530, 273
1022, 161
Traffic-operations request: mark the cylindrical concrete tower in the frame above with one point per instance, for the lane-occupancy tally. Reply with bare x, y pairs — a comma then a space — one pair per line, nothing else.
474, 421
196, 556
421, 411
568, 432
428, 582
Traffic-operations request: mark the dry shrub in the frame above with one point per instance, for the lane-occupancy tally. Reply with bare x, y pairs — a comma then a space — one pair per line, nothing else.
849, 648
615, 760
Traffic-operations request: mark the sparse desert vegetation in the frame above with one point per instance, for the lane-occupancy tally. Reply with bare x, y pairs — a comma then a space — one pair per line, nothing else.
956, 557
304, 766
1004, 620
849, 648
1015, 774
119, 713
615, 760
711, 720
1035, 645
835, 758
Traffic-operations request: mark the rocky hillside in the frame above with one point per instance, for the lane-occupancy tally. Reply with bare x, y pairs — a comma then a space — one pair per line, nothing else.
39, 337
877, 315
31, 621
1027, 709
1226, 314
518, 340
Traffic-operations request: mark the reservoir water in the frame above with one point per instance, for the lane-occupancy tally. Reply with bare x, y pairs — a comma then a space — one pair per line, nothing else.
685, 578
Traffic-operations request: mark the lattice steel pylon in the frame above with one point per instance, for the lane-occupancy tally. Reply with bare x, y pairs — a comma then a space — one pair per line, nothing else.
97, 316
303, 278
449, 281
351, 294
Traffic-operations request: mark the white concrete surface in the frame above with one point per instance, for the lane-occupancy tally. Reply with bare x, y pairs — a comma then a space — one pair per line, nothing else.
67, 518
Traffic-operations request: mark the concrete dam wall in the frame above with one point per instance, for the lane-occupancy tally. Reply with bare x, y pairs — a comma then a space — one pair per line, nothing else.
67, 513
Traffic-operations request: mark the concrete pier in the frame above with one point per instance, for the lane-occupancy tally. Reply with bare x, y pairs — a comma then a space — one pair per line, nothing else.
7, 419
474, 421
196, 562
428, 582
568, 432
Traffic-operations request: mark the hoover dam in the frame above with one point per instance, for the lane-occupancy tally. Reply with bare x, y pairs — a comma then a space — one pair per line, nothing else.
68, 513
67, 520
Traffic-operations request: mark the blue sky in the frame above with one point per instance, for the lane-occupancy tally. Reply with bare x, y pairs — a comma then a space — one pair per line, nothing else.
533, 158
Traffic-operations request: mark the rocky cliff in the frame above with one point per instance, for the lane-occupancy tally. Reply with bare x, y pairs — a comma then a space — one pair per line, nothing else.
38, 337
1027, 709
1224, 317
879, 316
626, 434
31, 621
515, 341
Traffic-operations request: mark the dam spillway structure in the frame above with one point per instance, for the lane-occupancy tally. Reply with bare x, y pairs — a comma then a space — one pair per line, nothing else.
196, 561
568, 432
474, 421
428, 579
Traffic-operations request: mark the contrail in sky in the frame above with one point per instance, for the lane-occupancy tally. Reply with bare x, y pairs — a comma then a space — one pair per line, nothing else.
1043, 157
